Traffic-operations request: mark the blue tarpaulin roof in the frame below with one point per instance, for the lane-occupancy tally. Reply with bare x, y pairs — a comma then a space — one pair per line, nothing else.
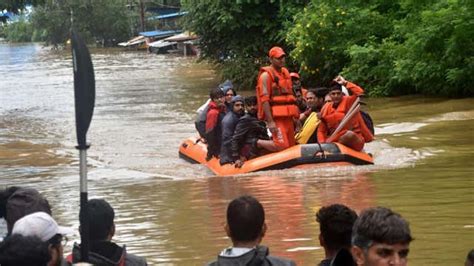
172, 15
159, 33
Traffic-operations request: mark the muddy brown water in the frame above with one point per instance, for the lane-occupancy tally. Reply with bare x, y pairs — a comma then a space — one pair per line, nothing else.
173, 212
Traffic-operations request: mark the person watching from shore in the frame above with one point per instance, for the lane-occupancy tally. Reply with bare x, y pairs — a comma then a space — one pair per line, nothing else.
102, 229
355, 133
44, 227
335, 230
16, 202
470, 258
276, 102
246, 228
214, 117
24, 250
250, 135
229, 123
380, 237
310, 118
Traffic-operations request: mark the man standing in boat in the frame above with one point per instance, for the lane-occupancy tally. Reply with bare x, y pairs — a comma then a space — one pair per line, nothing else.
276, 102
354, 133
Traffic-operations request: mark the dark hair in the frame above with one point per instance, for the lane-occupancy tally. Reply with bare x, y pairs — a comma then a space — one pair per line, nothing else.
24, 250
216, 93
335, 86
321, 92
470, 256
4, 195
251, 100
23, 201
335, 224
101, 219
380, 225
245, 217
56, 240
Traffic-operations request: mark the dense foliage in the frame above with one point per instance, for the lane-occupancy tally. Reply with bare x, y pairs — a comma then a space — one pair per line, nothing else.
236, 35
104, 22
20, 31
390, 47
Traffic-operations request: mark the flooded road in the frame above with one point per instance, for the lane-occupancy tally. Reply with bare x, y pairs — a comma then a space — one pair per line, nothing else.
173, 212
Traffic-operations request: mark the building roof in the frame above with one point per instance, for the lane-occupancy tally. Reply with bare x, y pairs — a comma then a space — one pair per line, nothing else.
159, 33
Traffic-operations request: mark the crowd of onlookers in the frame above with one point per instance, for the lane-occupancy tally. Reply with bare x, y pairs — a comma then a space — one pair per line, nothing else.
34, 237
377, 236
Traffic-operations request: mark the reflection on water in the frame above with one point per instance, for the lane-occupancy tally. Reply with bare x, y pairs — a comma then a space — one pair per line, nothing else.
173, 212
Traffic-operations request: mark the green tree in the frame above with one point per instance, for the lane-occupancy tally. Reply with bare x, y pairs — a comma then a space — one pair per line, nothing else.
103, 22
20, 31
236, 35
325, 30
438, 54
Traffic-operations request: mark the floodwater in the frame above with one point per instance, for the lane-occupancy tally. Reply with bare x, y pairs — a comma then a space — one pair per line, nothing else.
173, 212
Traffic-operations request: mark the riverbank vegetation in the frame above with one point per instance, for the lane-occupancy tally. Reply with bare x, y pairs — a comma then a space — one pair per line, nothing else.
389, 47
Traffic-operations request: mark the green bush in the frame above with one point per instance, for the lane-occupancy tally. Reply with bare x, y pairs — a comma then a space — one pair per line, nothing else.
20, 31
325, 31
103, 22
438, 54
389, 47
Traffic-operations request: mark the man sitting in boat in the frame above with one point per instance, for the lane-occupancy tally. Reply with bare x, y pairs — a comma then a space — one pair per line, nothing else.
229, 122
299, 91
354, 133
276, 102
214, 117
200, 122
250, 134
315, 101
229, 92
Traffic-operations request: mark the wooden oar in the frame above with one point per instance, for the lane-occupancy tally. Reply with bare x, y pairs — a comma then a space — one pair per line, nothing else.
355, 108
84, 98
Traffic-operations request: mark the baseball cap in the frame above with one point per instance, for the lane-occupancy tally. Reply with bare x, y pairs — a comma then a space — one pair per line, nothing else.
276, 52
41, 225
294, 75
25, 201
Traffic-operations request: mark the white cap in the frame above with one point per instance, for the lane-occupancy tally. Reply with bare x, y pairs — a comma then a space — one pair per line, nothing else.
41, 225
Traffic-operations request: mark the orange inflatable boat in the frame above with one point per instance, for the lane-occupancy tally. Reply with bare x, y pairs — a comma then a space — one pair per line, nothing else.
299, 156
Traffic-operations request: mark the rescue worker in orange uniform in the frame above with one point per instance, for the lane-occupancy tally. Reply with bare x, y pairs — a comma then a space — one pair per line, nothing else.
355, 133
276, 102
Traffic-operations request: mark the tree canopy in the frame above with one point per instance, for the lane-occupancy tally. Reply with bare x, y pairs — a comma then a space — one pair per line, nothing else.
16, 5
391, 47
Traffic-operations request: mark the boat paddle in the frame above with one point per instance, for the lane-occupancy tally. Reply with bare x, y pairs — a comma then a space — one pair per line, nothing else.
355, 108
84, 98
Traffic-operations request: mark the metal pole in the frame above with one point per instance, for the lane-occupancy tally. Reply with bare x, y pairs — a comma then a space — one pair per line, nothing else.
84, 213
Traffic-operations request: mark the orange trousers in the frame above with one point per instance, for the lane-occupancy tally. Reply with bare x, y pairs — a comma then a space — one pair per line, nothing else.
286, 127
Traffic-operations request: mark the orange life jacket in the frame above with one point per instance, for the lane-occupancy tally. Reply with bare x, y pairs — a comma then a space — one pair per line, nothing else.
280, 94
333, 116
